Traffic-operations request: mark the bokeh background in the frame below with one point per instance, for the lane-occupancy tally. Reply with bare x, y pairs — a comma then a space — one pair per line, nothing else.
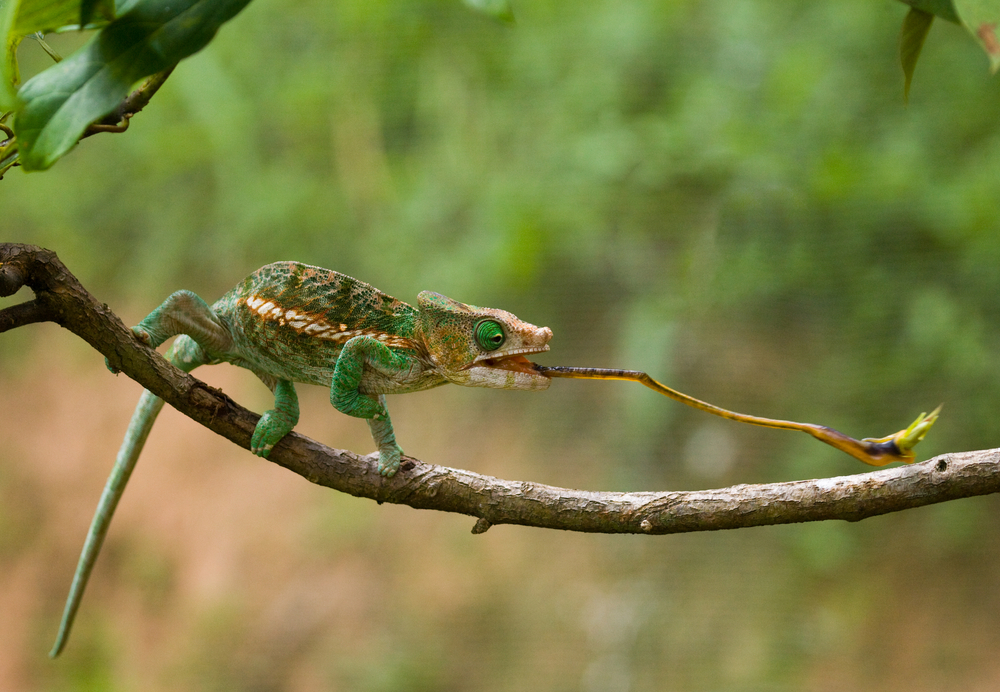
732, 196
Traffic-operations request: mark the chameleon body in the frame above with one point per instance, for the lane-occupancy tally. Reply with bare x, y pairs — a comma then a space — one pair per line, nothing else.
289, 322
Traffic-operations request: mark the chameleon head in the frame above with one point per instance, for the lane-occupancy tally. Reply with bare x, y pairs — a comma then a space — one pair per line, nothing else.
481, 347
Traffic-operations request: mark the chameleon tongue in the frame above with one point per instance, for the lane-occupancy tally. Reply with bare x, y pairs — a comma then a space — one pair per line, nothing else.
875, 452
515, 363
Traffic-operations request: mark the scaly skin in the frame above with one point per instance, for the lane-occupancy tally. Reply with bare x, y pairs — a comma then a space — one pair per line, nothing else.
290, 322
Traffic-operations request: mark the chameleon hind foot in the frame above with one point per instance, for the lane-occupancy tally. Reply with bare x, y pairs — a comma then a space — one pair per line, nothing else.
142, 334
139, 333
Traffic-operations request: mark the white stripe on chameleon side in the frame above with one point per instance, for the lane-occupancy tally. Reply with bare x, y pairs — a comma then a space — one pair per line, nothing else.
317, 327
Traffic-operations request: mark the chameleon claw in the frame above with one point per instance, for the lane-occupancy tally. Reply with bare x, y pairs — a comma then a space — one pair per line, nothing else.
388, 464
259, 448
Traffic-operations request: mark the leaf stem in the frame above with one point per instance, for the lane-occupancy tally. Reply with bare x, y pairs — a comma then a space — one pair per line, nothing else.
118, 119
46, 47
7, 167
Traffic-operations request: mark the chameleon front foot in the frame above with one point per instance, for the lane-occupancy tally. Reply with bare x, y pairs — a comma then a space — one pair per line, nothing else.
388, 462
271, 427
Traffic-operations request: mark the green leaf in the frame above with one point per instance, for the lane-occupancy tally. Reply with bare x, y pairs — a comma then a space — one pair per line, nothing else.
945, 9
981, 18
90, 8
911, 41
8, 61
45, 15
20, 18
60, 102
498, 9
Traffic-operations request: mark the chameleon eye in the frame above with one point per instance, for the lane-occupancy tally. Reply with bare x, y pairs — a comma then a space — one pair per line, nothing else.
489, 335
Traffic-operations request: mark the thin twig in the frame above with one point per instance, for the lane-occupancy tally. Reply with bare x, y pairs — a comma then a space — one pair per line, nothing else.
46, 47
4, 167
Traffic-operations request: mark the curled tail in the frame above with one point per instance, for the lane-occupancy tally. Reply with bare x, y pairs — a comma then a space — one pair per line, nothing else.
186, 355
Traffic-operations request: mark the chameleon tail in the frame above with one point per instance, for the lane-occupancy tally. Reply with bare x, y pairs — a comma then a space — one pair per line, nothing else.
186, 355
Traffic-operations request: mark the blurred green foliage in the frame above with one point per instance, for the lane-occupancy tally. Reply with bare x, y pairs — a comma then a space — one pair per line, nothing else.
730, 196
138, 38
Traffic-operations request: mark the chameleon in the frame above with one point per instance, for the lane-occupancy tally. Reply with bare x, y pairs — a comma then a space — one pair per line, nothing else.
295, 323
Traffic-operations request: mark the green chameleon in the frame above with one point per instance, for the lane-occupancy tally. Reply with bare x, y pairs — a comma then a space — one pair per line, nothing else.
289, 322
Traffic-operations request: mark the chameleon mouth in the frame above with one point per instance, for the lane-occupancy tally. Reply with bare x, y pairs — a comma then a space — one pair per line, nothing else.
515, 362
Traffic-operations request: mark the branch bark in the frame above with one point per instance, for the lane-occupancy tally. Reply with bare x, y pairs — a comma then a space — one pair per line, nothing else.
61, 298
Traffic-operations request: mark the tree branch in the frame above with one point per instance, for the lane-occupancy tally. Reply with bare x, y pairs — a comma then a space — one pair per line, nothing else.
62, 299
22, 314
